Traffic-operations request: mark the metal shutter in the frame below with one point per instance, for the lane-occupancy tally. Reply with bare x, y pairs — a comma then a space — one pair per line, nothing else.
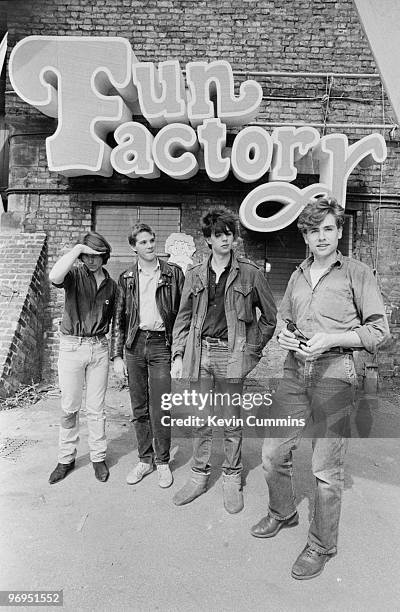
114, 221
284, 250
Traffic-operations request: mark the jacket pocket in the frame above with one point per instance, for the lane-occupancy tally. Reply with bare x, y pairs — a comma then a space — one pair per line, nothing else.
244, 361
243, 302
197, 296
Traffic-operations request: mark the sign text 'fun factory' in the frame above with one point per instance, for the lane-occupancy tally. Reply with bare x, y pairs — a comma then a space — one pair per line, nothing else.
95, 85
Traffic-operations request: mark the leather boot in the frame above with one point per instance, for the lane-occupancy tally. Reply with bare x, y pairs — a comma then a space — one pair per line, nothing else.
232, 493
195, 486
101, 470
60, 471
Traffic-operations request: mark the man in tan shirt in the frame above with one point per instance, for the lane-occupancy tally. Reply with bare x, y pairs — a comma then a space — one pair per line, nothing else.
332, 305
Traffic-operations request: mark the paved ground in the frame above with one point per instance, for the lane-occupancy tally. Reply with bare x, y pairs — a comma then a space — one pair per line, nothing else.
118, 547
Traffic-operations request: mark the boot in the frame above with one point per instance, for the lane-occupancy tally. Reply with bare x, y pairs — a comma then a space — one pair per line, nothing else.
232, 493
60, 471
195, 486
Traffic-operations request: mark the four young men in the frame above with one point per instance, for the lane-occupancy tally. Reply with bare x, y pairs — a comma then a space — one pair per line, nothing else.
218, 322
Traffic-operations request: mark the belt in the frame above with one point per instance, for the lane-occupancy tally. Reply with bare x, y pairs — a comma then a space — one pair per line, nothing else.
340, 350
97, 338
211, 340
152, 334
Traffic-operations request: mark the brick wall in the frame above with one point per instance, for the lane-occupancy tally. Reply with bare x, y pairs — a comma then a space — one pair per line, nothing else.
63, 218
22, 266
263, 35
253, 35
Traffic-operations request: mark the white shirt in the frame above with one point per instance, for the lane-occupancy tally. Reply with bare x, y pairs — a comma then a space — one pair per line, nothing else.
316, 274
149, 316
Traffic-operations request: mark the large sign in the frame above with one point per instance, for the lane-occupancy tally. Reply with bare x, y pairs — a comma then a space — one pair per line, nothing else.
97, 85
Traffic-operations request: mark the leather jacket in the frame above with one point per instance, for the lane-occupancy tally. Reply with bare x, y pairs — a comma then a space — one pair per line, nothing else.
126, 310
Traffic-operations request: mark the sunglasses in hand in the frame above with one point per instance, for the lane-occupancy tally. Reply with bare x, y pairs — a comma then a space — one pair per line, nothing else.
292, 327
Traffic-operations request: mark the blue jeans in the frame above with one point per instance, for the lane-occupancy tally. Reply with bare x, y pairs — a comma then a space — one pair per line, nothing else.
82, 362
322, 392
212, 377
149, 363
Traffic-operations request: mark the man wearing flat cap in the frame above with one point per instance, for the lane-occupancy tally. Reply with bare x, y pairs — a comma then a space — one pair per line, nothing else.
84, 357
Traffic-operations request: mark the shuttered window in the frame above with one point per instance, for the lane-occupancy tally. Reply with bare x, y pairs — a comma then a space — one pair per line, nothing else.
114, 221
284, 250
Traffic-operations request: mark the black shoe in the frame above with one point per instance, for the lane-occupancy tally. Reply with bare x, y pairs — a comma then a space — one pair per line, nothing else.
268, 527
101, 470
61, 471
309, 564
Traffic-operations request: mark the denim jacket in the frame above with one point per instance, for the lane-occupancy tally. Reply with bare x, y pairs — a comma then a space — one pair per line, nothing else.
246, 288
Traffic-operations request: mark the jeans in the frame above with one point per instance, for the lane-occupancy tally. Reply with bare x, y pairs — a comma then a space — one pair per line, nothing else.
82, 361
149, 363
323, 393
212, 377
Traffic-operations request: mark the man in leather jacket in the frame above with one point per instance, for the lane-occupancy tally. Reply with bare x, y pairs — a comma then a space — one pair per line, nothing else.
217, 341
147, 303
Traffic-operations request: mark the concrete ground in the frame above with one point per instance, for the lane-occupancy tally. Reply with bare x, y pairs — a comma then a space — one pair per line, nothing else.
117, 547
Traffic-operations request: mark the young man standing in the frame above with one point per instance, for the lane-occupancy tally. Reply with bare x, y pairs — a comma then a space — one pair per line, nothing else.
145, 310
332, 305
217, 342
83, 358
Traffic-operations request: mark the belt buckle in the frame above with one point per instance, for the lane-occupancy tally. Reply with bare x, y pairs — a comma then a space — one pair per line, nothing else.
341, 350
214, 341
155, 334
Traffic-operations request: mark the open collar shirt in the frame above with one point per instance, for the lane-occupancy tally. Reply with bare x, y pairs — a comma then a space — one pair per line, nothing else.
150, 318
88, 308
346, 298
215, 324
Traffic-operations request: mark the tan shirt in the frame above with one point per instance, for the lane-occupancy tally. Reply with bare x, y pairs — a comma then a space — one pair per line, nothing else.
345, 298
149, 316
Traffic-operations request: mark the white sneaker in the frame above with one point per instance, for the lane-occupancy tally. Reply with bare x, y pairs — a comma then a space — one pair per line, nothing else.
165, 478
140, 470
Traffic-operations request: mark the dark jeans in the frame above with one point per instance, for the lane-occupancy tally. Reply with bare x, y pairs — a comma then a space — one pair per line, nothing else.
212, 377
149, 363
322, 392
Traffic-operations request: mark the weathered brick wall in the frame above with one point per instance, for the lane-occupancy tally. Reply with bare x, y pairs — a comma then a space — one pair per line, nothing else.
63, 218
321, 36
378, 244
263, 35
253, 35
22, 266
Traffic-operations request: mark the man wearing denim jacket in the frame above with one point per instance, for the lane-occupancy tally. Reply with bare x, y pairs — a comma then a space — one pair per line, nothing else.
217, 341
332, 305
